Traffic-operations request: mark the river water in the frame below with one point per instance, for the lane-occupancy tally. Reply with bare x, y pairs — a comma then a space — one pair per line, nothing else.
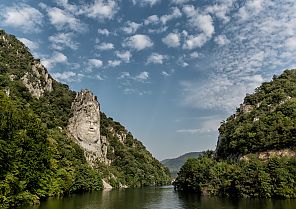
157, 198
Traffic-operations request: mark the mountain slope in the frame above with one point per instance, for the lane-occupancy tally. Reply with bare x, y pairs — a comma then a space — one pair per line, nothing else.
39, 155
255, 155
175, 164
265, 121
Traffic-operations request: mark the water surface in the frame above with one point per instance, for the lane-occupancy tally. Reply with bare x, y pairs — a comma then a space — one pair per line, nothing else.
157, 198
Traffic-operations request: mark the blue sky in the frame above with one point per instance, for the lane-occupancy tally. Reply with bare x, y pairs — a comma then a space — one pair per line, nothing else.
168, 70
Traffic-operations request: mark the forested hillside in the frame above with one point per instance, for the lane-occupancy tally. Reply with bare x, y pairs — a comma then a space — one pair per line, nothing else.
38, 156
265, 121
255, 155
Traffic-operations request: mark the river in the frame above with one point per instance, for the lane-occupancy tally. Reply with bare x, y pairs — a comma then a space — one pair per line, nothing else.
157, 198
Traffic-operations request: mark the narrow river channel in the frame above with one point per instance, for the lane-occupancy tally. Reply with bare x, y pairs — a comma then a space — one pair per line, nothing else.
157, 198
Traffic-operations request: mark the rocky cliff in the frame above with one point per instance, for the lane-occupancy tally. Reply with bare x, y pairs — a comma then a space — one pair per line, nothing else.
85, 145
38, 80
84, 126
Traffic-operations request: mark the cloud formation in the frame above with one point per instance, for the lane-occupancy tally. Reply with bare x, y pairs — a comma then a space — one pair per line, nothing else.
56, 58
22, 16
94, 64
145, 2
138, 42
125, 56
105, 46
32, 45
131, 27
62, 40
172, 40
63, 19
156, 58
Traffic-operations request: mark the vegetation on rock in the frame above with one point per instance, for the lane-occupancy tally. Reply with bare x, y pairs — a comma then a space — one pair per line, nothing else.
275, 177
38, 157
264, 123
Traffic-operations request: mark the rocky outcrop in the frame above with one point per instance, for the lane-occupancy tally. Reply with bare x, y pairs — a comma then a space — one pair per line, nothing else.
84, 126
106, 186
38, 81
271, 153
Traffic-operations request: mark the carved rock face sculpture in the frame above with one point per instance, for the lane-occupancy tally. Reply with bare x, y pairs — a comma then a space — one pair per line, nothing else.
84, 125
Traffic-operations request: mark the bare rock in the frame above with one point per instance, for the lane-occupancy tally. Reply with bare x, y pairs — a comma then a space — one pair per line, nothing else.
106, 186
84, 126
38, 81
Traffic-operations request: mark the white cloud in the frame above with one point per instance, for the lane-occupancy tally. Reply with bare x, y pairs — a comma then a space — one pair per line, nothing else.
104, 31
161, 29
100, 9
99, 77
94, 63
164, 73
221, 40
175, 13
124, 55
67, 76
172, 40
105, 46
251, 8
221, 10
202, 23
156, 58
138, 42
153, 19
62, 19
291, 43
130, 84
142, 76
61, 40
260, 47
194, 55
32, 45
131, 27
181, 61
124, 75
69, 7
196, 41
179, 1
189, 10
207, 126
23, 16
145, 2
56, 58
114, 63
219, 92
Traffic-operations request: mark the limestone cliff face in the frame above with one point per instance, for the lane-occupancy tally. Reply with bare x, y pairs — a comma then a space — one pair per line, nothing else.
84, 126
288, 153
38, 81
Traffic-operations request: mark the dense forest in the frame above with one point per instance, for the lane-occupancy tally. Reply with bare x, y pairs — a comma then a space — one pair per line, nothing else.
38, 158
275, 177
265, 122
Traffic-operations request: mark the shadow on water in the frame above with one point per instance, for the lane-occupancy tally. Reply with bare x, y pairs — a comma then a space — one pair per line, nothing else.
192, 201
157, 198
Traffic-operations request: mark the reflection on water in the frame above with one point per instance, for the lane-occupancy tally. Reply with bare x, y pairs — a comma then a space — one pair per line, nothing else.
158, 198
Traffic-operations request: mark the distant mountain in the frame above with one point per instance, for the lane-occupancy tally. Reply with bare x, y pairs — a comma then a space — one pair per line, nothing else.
175, 164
